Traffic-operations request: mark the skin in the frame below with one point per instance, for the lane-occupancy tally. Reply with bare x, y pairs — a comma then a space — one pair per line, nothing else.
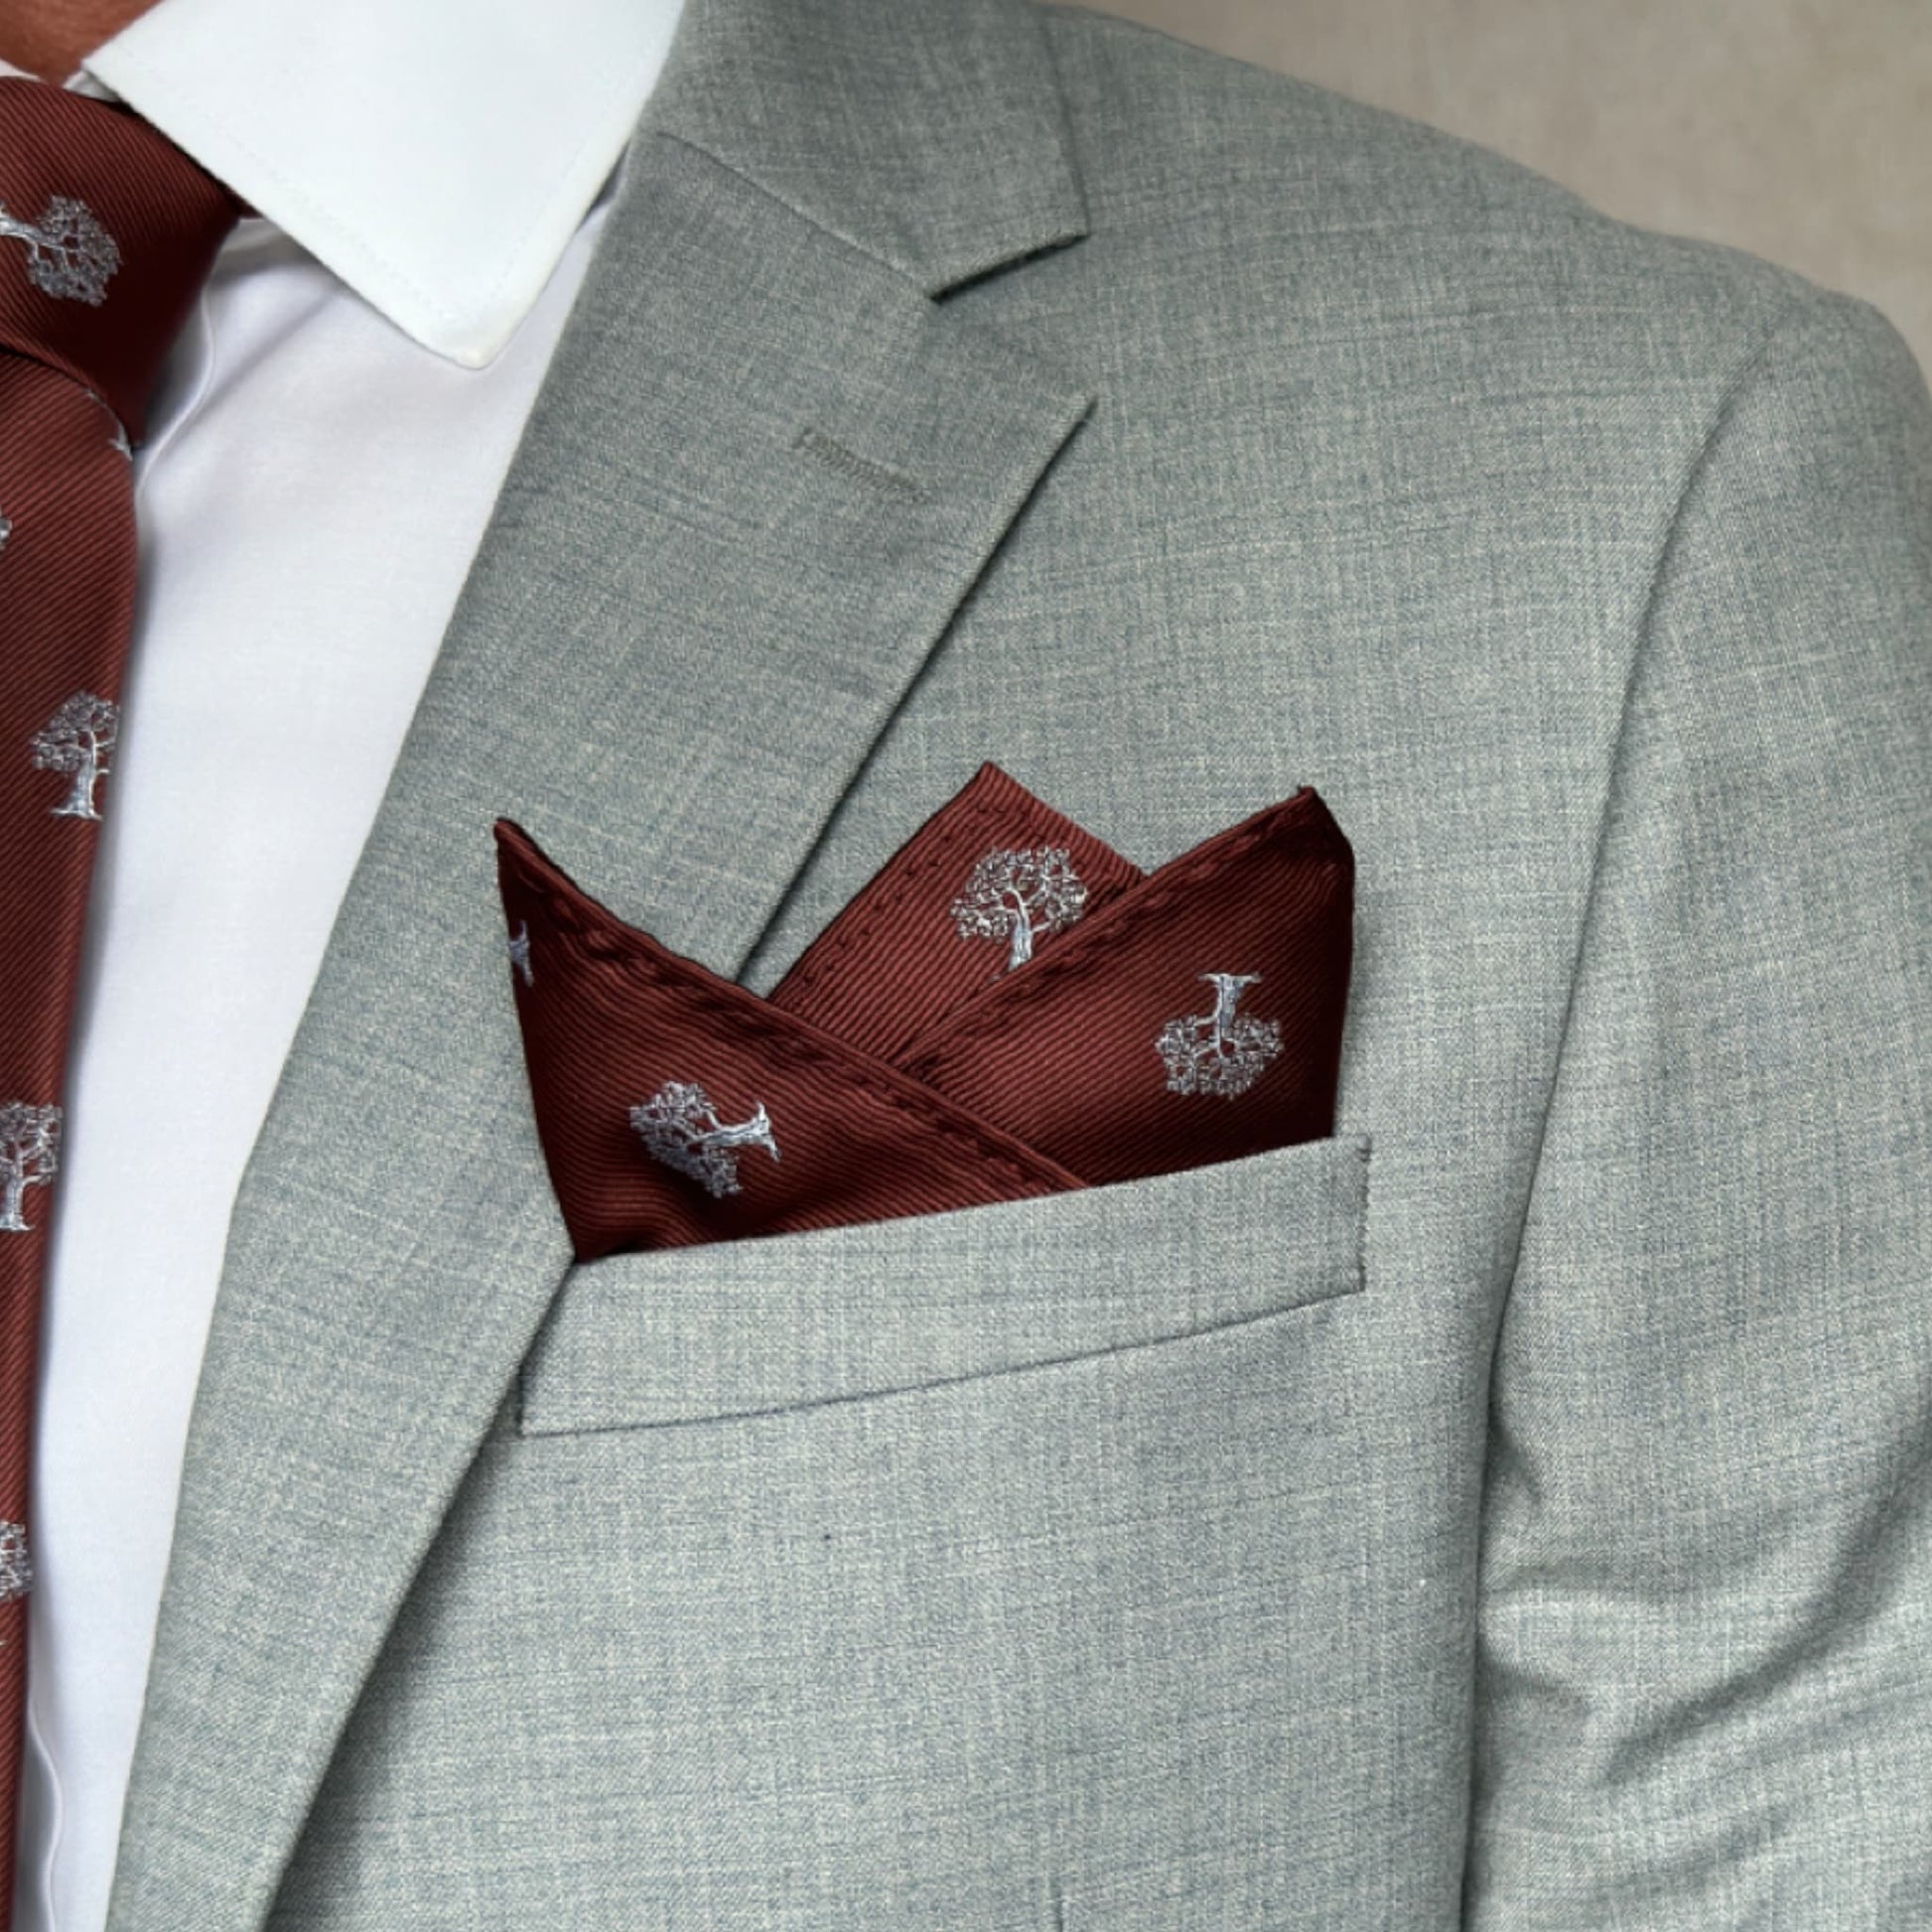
49, 38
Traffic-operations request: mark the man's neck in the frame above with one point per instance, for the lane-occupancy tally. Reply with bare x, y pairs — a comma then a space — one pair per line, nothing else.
50, 37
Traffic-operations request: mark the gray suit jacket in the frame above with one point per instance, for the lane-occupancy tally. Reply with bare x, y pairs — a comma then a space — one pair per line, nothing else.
1513, 1512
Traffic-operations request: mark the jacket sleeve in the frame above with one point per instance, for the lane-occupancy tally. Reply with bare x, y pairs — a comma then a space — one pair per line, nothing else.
1704, 1692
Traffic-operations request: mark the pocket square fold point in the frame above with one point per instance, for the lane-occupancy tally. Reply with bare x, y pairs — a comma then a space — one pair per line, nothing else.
1007, 1008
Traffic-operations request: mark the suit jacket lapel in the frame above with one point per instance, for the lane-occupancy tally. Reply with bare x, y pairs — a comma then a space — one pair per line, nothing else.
763, 472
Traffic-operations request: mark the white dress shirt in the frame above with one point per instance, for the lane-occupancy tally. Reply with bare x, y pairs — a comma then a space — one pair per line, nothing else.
325, 449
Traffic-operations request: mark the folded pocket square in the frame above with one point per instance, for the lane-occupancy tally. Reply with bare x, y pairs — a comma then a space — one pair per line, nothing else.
1008, 1008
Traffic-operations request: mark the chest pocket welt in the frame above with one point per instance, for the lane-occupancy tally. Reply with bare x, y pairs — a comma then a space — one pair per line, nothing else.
749, 1327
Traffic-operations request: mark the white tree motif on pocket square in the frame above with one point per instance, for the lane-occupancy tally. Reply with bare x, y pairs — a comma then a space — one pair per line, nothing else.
680, 1127
1020, 897
1218, 1051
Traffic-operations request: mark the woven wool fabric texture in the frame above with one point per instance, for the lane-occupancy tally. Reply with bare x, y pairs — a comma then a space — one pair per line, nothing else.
1214, 435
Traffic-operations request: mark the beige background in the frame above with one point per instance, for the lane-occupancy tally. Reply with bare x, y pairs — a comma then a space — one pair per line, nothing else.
1798, 129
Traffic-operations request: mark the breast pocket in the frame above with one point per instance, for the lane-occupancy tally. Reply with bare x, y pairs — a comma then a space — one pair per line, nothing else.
751, 1327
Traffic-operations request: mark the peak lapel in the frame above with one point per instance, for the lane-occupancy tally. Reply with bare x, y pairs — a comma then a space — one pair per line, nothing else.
764, 470
928, 133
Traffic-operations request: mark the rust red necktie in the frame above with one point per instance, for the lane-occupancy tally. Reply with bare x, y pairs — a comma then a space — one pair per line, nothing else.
1008, 1008
106, 234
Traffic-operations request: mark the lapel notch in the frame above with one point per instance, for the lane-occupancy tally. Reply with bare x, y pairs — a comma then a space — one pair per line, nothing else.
929, 134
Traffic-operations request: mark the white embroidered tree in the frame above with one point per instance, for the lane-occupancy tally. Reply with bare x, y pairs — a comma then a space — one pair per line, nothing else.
1020, 896
681, 1128
69, 253
16, 1561
1218, 1052
79, 737
30, 1155
520, 955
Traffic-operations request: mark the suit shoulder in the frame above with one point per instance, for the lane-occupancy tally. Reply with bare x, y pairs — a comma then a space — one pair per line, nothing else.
1169, 134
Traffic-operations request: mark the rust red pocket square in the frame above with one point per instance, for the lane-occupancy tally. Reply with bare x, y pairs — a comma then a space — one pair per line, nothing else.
1008, 1008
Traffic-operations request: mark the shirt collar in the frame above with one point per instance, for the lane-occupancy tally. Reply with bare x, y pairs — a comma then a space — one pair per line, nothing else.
438, 155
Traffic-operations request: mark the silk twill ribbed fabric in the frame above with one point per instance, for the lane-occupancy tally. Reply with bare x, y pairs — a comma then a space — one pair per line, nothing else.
107, 231
911, 1060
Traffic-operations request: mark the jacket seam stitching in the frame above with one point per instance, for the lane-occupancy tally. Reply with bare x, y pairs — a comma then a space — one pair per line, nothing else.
1640, 655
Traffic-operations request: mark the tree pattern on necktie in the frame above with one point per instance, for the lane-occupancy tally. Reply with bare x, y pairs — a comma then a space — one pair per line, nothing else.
70, 255
93, 288
29, 1155
79, 739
